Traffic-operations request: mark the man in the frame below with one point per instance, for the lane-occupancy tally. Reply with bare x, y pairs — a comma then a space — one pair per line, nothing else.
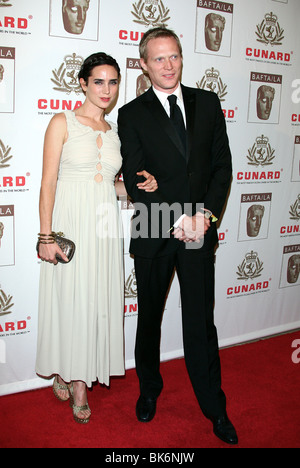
193, 170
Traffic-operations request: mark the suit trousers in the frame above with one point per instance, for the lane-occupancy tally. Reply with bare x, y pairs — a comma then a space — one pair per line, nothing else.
195, 270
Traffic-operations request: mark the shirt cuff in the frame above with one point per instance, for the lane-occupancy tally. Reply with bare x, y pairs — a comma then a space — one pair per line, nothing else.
176, 224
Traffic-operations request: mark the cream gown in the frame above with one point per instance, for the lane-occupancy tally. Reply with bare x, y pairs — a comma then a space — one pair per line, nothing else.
81, 304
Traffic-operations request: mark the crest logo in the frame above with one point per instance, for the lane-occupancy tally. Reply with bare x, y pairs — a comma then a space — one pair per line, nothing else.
130, 286
151, 13
65, 78
4, 3
261, 153
295, 210
269, 31
4, 155
5, 303
251, 267
212, 81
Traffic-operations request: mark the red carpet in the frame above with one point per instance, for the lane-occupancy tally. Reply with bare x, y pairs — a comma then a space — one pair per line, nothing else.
262, 386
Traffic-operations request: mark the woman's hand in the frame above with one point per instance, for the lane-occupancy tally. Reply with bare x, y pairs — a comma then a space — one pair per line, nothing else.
150, 184
47, 253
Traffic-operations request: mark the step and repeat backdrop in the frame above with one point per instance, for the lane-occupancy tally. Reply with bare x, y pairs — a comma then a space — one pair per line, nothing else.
248, 52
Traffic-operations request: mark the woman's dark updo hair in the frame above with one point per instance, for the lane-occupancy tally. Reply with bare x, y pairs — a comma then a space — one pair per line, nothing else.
95, 60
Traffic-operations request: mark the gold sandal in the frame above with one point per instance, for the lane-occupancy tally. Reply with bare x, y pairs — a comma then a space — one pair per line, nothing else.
76, 409
57, 386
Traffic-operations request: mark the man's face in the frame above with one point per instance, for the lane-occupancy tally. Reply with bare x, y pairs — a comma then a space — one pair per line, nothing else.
74, 15
214, 33
164, 63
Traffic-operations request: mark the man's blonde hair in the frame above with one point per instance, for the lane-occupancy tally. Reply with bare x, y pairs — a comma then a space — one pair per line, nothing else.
155, 34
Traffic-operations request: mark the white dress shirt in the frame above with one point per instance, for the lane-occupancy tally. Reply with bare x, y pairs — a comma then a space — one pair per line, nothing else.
163, 98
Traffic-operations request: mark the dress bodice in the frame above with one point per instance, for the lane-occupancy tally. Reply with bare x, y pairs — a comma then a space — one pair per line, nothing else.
89, 154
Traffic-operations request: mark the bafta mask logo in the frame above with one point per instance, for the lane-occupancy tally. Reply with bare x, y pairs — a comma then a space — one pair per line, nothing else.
5, 3
1, 231
65, 78
151, 13
295, 210
5, 303
1, 72
293, 269
254, 219
74, 15
261, 153
264, 101
130, 286
4, 155
214, 27
143, 83
212, 81
251, 267
269, 31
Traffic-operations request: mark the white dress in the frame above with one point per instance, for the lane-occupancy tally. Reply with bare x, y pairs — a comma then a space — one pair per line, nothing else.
81, 304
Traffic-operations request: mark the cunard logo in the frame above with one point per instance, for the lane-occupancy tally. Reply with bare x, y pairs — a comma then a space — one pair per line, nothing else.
151, 13
269, 31
261, 153
5, 303
295, 210
5, 155
213, 82
251, 267
130, 286
65, 78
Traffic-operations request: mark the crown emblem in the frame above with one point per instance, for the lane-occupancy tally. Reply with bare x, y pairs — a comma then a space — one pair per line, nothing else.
130, 286
151, 13
212, 74
251, 256
269, 31
261, 153
295, 210
271, 19
73, 61
251, 267
213, 82
262, 141
65, 78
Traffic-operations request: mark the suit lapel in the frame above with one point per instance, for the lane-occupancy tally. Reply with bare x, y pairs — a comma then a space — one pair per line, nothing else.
160, 115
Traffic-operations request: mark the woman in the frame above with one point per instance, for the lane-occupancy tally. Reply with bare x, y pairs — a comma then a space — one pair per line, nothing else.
81, 304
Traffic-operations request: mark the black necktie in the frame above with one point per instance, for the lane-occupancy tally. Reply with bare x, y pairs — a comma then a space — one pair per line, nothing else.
177, 119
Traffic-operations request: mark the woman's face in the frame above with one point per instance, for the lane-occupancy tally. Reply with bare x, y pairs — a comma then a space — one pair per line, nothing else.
102, 86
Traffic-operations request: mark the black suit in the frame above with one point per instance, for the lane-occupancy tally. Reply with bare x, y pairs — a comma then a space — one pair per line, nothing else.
201, 174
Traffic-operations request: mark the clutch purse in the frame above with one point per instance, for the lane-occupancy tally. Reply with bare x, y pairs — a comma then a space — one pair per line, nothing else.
66, 245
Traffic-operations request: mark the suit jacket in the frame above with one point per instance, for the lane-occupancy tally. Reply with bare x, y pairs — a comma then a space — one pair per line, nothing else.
199, 174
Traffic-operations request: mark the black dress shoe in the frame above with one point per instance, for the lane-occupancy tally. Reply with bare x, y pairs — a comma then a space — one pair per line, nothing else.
145, 409
224, 430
